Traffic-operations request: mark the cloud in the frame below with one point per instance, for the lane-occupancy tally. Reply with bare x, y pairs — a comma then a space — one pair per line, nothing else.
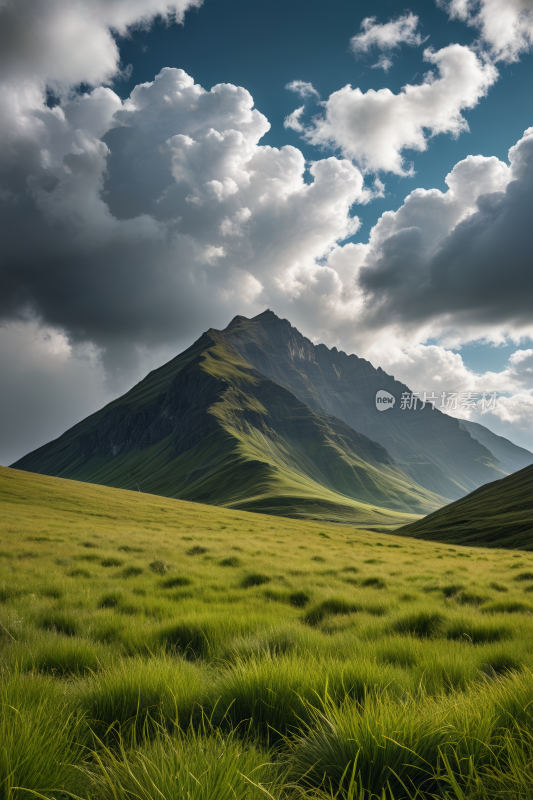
430, 368
374, 128
506, 26
128, 223
303, 88
50, 42
460, 259
383, 62
52, 385
292, 121
386, 37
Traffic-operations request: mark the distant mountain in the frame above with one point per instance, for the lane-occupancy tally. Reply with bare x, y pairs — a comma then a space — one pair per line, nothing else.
209, 427
427, 444
257, 417
511, 457
499, 514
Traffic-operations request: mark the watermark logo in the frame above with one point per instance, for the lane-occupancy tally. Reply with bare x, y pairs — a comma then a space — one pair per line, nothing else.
384, 400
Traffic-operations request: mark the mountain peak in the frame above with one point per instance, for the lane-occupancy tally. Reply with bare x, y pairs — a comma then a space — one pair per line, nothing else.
267, 315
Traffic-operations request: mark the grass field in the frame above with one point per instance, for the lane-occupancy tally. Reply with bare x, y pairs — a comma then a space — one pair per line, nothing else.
154, 648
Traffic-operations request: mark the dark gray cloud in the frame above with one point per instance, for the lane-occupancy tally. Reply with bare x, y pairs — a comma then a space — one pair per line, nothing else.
481, 272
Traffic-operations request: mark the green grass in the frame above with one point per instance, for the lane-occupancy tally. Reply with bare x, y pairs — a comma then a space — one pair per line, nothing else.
266, 673
498, 514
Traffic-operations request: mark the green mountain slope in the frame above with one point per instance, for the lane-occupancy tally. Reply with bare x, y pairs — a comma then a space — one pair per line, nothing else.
209, 427
511, 457
499, 514
427, 444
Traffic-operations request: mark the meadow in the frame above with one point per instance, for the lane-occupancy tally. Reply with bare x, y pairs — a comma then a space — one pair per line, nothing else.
155, 648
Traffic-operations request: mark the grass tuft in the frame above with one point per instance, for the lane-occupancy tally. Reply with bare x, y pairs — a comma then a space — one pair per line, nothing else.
132, 572
299, 599
111, 561
232, 561
160, 567
507, 607
254, 579
419, 623
327, 608
197, 550
175, 582
59, 623
110, 600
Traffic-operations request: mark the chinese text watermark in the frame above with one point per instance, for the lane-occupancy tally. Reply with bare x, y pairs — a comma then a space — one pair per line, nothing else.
444, 401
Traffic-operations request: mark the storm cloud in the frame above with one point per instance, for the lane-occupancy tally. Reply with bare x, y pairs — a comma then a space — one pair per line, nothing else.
435, 258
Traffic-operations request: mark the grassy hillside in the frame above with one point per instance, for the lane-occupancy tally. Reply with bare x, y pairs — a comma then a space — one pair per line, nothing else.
499, 514
210, 428
152, 647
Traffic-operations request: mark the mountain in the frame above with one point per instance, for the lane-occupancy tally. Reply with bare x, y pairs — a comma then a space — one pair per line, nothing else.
257, 417
210, 427
427, 444
499, 514
511, 457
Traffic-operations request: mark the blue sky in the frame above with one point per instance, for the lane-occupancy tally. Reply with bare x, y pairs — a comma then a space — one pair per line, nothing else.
140, 206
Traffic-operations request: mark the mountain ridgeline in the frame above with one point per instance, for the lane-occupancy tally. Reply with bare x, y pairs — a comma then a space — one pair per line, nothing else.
257, 417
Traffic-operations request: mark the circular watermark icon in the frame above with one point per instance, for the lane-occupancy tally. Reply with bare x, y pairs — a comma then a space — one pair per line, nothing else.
384, 400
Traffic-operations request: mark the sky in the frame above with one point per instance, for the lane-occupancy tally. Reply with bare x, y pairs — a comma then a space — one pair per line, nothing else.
364, 170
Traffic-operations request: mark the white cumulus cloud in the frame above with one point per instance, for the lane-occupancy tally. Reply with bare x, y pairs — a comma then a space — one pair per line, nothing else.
374, 128
303, 88
386, 37
292, 121
506, 26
